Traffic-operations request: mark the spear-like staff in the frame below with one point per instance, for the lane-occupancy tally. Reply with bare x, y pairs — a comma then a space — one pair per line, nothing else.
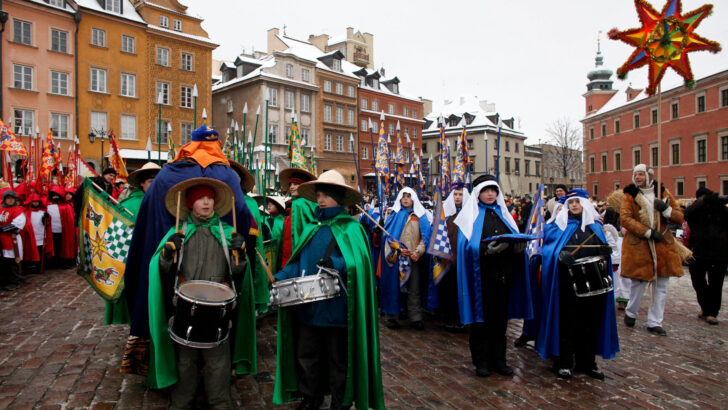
255, 132
194, 103
356, 163
245, 121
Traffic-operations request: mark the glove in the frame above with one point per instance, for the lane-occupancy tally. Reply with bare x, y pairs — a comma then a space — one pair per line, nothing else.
518, 247
661, 206
605, 250
496, 247
566, 257
657, 236
44, 219
9, 228
174, 242
326, 262
236, 242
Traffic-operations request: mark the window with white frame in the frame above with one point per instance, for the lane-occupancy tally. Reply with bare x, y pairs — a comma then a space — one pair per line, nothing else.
305, 102
724, 97
177, 25
351, 91
24, 120
675, 110
391, 129
339, 143
128, 44
186, 61
286, 135
128, 85
375, 83
327, 142
618, 160
327, 86
350, 117
654, 115
337, 64
128, 127
364, 152
22, 77
363, 103
98, 121
185, 95
59, 40
700, 103
327, 113
163, 89
405, 111
723, 147
364, 125
339, 88
680, 187
113, 5
273, 134
185, 132
675, 153
414, 113
164, 21
414, 133
98, 80
375, 105
163, 56
57, 3
304, 136
288, 99
230, 105
636, 156
305, 75
59, 83
59, 125
165, 132
339, 115
22, 32
273, 97
98, 37
390, 109
636, 120
289, 70
701, 149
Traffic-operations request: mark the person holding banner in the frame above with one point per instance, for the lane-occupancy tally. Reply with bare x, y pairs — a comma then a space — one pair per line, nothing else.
448, 286
491, 274
575, 325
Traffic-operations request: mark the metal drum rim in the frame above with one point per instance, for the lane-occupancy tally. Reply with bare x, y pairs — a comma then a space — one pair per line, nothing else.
198, 345
205, 302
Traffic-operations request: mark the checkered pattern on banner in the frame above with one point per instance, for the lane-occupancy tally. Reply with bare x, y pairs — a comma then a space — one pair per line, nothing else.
118, 238
535, 224
442, 242
86, 243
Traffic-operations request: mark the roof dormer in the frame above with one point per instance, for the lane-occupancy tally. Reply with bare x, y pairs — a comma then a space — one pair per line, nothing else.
332, 60
245, 66
114, 6
392, 84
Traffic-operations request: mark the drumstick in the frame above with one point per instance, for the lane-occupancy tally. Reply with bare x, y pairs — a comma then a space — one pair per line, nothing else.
588, 246
235, 229
265, 267
176, 220
582, 244
372, 219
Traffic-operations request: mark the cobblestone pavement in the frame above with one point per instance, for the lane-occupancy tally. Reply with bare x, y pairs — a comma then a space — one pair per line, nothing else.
55, 352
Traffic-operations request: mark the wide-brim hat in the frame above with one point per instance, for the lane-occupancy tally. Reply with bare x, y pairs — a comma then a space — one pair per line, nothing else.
223, 196
247, 180
331, 178
285, 176
278, 200
259, 199
148, 170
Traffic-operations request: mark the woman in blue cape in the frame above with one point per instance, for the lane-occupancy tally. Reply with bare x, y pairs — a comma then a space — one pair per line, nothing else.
492, 282
409, 225
574, 329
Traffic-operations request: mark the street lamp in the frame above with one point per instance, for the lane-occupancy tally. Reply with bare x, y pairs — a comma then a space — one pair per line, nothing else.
98, 133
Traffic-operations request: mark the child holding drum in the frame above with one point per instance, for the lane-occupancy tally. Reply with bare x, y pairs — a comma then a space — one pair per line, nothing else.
332, 344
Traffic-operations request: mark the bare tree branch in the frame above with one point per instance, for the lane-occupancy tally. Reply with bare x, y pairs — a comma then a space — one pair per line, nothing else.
565, 151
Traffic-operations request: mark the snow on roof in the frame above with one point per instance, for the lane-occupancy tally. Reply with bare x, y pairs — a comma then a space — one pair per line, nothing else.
181, 34
353, 68
159, 6
308, 51
65, 7
460, 106
128, 11
245, 59
265, 62
337, 39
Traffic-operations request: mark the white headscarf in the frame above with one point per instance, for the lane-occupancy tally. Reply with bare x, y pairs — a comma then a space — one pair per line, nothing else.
649, 174
417, 207
466, 218
589, 215
449, 205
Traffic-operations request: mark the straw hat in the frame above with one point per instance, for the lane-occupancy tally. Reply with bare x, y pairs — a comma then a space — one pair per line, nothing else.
279, 200
247, 181
332, 178
286, 174
223, 196
148, 170
259, 200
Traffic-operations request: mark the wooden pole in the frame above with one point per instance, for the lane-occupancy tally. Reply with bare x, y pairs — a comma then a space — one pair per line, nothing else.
111, 198
235, 229
372, 219
659, 146
176, 219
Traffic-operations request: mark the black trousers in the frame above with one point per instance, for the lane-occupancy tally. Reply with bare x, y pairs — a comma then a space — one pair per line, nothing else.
707, 277
58, 262
8, 271
322, 352
579, 323
488, 339
447, 291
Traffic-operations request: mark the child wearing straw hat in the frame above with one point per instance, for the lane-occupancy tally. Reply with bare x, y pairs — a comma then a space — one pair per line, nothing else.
336, 337
199, 203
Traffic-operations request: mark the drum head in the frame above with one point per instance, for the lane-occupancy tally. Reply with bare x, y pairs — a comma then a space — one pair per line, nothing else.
206, 291
588, 259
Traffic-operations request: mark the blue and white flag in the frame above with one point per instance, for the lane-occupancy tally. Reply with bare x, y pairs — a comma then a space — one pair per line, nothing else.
439, 245
535, 224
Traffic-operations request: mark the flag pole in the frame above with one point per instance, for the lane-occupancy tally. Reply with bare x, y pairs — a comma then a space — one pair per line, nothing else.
497, 149
160, 100
194, 99
245, 121
255, 133
356, 164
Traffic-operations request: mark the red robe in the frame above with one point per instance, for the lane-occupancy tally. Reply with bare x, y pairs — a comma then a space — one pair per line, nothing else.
68, 230
7, 215
30, 248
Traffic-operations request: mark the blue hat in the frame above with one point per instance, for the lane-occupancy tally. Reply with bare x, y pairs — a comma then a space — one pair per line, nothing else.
458, 185
204, 133
577, 193
562, 200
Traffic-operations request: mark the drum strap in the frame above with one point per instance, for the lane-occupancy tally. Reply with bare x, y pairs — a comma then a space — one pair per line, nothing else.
224, 248
330, 249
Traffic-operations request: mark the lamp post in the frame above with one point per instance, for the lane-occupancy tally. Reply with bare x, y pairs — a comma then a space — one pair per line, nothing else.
98, 133
160, 101
194, 103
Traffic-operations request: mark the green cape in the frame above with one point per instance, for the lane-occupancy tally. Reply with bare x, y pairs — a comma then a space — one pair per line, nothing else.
260, 278
118, 313
302, 213
276, 236
163, 357
364, 373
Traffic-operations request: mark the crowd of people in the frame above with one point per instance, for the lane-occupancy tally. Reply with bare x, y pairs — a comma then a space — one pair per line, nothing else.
197, 221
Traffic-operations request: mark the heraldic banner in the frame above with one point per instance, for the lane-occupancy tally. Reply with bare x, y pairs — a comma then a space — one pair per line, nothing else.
105, 231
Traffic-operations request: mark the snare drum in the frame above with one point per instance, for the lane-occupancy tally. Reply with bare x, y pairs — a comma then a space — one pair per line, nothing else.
202, 317
305, 289
590, 276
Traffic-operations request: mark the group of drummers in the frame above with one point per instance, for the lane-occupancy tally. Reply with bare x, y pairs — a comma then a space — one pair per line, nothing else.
208, 257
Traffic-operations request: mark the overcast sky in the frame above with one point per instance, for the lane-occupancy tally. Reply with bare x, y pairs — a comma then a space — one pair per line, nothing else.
529, 57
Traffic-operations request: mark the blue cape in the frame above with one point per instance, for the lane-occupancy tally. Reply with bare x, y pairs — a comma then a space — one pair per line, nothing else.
547, 342
389, 281
470, 301
153, 222
530, 326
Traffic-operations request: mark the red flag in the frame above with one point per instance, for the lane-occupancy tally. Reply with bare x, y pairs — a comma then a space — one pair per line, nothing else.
50, 158
9, 142
115, 159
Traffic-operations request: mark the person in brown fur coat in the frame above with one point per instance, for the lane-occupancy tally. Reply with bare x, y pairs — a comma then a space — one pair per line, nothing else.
649, 251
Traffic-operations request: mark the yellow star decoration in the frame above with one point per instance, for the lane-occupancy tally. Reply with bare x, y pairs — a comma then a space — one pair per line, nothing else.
98, 247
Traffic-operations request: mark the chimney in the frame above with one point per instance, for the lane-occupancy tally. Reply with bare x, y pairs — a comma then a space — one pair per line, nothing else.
321, 41
272, 40
462, 100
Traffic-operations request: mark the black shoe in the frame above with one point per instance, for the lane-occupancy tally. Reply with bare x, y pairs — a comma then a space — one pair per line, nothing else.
454, 327
595, 374
522, 341
310, 403
418, 325
629, 321
657, 330
564, 373
503, 369
482, 371
392, 323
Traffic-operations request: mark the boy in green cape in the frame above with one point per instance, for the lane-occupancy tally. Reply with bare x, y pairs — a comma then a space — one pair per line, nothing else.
275, 206
299, 210
331, 345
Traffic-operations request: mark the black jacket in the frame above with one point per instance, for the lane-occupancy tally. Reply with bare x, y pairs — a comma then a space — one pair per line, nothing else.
708, 221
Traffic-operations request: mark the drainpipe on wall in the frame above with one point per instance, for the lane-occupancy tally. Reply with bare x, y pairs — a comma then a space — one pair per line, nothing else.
3, 20
77, 20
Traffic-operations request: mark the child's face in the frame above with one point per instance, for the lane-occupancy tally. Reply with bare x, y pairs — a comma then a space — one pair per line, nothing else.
575, 206
406, 200
10, 201
488, 195
271, 208
325, 201
457, 196
293, 188
69, 197
204, 206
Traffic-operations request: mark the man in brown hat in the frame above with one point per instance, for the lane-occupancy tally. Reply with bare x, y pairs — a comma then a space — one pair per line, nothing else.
299, 211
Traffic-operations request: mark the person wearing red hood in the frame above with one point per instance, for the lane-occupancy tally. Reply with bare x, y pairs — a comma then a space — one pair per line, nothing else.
39, 234
65, 242
12, 221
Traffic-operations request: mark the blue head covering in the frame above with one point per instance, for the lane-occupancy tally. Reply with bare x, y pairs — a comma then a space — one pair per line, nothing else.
204, 133
576, 193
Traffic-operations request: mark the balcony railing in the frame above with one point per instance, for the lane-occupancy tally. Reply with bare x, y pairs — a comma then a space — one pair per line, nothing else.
361, 57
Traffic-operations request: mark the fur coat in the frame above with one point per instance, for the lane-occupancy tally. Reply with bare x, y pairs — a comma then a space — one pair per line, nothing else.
643, 258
